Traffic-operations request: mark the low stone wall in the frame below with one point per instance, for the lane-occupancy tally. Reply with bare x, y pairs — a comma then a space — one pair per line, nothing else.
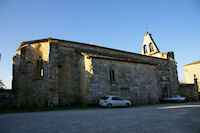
190, 91
7, 99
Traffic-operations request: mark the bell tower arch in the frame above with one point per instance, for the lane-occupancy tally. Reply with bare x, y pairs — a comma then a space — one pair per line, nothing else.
149, 46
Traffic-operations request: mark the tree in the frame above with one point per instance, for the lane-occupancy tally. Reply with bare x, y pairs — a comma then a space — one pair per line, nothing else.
2, 85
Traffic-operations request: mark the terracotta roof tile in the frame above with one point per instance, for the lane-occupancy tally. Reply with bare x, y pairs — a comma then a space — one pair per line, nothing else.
197, 62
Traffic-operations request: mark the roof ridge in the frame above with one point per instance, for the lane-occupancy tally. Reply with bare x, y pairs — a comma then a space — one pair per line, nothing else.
80, 43
196, 62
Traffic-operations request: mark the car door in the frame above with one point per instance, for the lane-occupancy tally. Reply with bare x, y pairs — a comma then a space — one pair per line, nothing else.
114, 101
121, 101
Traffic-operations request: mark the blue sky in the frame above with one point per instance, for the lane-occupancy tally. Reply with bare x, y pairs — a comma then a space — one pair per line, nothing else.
119, 24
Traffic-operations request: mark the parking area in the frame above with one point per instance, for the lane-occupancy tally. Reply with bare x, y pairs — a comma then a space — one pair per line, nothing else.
164, 118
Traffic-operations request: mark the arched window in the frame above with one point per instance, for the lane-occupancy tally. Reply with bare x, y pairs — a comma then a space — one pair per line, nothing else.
151, 47
24, 60
112, 74
39, 68
145, 49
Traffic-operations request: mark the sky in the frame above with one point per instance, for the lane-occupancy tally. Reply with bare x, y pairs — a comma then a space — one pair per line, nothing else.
118, 24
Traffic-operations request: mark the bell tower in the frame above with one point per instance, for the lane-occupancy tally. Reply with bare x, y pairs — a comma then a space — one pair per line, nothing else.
149, 46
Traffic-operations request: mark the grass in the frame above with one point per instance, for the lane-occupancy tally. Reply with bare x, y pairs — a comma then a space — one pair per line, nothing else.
56, 108
42, 109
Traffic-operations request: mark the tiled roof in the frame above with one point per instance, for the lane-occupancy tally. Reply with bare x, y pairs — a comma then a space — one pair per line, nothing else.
197, 62
81, 44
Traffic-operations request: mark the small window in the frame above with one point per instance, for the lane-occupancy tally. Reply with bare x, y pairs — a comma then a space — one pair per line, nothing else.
114, 98
151, 47
112, 74
23, 60
145, 49
39, 68
119, 98
195, 76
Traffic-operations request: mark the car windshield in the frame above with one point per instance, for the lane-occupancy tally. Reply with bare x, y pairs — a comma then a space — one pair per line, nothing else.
105, 98
117, 98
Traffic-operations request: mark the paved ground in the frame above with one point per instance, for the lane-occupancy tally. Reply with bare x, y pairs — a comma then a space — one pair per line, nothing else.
176, 118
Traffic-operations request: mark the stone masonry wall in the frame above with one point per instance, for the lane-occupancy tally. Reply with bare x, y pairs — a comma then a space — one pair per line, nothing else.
68, 76
31, 90
91, 90
190, 91
78, 73
7, 99
134, 81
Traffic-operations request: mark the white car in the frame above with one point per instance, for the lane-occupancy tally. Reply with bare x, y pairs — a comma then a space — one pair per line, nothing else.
113, 101
177, 98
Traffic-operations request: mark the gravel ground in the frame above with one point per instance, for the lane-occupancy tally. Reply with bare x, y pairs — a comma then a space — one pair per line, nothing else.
163, 118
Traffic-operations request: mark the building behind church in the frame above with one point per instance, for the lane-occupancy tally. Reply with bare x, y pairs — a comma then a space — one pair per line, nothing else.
192, 73
51, 71
191, 88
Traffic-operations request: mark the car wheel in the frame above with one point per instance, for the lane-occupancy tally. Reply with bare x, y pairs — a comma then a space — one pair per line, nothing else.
109, 105
127, 105
179, 101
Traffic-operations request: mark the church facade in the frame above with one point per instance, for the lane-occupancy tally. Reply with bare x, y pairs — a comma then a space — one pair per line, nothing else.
50, 72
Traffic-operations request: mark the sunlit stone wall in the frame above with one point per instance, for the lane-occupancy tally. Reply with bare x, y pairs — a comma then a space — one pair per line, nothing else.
77, 73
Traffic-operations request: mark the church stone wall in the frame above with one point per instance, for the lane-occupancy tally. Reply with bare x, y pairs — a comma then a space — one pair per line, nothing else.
138, 78
68, 76
134, 81
140, 83
30, 89
75, 73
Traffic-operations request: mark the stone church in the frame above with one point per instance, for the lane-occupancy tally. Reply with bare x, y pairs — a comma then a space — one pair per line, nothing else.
50, 72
